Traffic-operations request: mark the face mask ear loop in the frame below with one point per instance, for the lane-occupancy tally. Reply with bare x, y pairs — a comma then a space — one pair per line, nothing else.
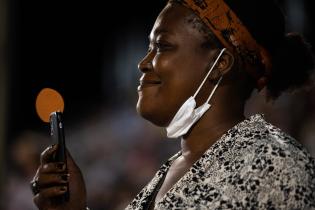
205, 79
214, 89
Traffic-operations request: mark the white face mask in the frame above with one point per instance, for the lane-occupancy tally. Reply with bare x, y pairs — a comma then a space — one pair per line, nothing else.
187, 115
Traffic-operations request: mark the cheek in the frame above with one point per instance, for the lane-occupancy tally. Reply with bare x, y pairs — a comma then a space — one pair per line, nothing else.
175, 79
180, 79
152, 105
159, 105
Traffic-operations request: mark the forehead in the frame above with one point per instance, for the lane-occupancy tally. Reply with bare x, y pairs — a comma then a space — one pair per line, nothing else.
172, 20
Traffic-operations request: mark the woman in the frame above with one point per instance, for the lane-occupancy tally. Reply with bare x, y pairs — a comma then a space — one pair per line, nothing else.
219, 50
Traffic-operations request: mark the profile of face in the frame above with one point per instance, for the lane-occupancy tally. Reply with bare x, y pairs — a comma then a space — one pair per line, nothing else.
175, 65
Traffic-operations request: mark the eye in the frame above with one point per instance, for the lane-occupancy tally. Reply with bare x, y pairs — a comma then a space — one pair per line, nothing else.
149, 49
162, 46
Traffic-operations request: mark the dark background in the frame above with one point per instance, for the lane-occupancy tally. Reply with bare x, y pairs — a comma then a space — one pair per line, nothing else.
88, 51
69, 46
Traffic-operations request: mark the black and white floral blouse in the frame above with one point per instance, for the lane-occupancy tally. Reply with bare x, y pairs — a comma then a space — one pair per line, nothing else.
253, 166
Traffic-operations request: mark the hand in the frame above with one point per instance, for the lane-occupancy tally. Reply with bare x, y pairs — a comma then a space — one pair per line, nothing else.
53, 180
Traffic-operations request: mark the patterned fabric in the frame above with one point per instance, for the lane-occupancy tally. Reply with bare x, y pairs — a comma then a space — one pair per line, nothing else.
253, 166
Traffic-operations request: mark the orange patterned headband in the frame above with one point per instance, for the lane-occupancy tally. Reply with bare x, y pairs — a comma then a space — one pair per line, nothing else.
231, 32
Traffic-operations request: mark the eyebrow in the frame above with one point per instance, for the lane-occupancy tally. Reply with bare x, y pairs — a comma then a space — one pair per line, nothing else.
160, 31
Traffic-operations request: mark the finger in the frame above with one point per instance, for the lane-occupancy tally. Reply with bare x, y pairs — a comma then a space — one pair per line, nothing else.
48, 154
49, 193
48, 180
58, 167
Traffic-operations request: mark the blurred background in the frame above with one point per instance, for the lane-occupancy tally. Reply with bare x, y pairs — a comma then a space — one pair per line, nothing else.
90, 55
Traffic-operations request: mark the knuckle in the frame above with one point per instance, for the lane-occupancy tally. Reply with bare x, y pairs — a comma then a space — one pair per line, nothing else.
49, 180
48, 168
40, 170
48, 151
45, 168
43, 156
45, 152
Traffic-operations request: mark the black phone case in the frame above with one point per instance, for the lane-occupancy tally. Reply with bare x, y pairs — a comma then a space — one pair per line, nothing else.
58, 136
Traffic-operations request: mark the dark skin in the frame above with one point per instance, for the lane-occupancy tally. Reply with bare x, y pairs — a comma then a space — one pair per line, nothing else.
179, 80
173, 68
53, 177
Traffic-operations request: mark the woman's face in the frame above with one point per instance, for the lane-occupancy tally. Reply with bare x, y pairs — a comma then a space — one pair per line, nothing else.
174, 67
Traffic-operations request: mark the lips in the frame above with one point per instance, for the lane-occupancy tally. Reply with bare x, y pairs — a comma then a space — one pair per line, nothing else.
144, 83
149, 82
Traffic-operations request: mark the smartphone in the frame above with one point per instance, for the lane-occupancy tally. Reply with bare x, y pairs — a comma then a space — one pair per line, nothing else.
58, 136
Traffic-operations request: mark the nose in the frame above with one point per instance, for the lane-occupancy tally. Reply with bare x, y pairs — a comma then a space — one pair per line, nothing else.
145, 64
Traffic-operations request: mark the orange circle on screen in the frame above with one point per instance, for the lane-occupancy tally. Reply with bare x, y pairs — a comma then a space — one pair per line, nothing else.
48, 101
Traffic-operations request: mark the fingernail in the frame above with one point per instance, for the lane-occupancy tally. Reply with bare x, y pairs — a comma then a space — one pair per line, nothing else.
65, 177
63, 188
61, 166
52, 146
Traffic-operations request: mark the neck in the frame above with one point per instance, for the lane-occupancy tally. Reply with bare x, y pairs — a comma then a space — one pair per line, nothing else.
221, 116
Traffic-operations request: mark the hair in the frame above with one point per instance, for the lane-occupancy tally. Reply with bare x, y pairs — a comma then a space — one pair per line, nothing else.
210, 40
292, 59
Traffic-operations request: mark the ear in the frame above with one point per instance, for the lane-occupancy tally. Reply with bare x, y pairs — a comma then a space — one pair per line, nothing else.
225, 63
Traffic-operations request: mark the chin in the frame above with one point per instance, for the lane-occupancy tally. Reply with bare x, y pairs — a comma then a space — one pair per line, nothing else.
152, 115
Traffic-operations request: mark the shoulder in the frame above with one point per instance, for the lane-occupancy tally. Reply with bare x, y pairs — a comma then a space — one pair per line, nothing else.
266, 141
261, 138
278, 169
